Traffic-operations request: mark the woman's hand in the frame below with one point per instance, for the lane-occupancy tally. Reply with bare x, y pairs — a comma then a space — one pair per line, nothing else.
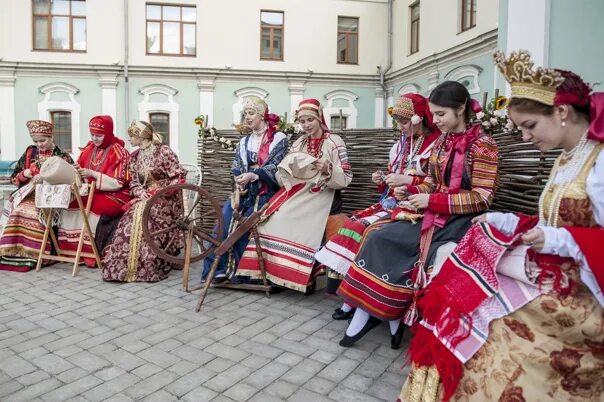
27, 173
322, 165
377, 177
243, 179
88, 173
535, 238
396, 180
400, 193
480, 219
419, 201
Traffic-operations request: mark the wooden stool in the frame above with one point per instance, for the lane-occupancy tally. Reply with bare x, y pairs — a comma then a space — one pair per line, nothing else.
68, 255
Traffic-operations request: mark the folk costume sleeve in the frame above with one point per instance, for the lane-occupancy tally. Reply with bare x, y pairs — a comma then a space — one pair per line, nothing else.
482, 161
17, 177
172, 167
266, 173
136, 188
114, 174
340, 174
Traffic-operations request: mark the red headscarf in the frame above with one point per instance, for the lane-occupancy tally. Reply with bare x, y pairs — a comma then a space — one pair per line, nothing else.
574, 91
421, 109
312, 107
272, 121
103, 125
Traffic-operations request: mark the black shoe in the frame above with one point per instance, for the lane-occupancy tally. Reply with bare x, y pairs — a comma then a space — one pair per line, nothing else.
219, 278
339, 314
396, 339
348, 341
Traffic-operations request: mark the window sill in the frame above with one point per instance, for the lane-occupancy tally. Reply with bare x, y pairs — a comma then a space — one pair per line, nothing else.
261, 59
348, 63
59, 51
466, 30
171, 55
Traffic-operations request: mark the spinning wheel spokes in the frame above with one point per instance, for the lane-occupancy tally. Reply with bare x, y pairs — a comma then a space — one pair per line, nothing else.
163, 233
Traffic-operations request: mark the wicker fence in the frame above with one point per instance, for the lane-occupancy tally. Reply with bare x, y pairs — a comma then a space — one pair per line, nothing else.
523, 169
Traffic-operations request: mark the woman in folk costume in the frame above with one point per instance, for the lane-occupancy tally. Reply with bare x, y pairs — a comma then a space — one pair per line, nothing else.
23, 233
128, 258
312, 174
407, 165
396, 258
104, 160
254, 168
533, 317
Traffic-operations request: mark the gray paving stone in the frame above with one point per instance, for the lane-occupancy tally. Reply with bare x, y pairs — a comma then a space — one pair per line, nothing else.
32, 354
16, 366
199, 394
88, 361
264, 397
109, 373
303, 372
373, 366
226, 352
146, 370
343, 394
357, 382
124, 359
119, 398
53, 364
241, 392
267, 374
289, 359
228, 378
385, 391
111, 387
193, 355
182, 368
72, 375
281, 389
160, 396
339, 369
320, 385
72, 389
9, 387
189, 382
151, 384
294, 347
304, 395
158, 357
33, 378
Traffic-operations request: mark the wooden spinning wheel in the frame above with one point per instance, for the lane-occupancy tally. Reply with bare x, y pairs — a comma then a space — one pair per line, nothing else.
192, 225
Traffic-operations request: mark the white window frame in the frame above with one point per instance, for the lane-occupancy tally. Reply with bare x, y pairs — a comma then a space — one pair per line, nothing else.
242, 93
349, 111
470, 72
145, 107
46, 106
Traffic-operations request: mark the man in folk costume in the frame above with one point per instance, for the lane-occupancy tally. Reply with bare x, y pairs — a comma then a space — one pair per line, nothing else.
254, 168
312, 175
407, 165
23, 233
104, 161
516, 312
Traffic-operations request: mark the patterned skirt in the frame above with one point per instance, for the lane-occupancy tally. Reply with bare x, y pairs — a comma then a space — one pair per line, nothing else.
552, 349
22, 238
129, 258
381, 279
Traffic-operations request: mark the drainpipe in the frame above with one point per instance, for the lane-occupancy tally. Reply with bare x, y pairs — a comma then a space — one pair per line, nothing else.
126, 85
383, 71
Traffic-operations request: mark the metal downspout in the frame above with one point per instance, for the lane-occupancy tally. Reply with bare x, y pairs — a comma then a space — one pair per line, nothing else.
384, 71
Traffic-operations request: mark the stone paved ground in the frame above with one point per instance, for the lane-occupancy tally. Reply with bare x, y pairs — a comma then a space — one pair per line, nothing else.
80, 339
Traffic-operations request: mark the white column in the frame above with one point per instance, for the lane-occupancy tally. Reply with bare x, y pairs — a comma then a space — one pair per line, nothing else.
296, 95
8, 137
528, 28
390, 102
109, 98
379, 108
206, 100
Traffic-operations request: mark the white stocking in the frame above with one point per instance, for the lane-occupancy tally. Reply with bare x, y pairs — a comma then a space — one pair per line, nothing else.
359, 319
394, 324
346, 307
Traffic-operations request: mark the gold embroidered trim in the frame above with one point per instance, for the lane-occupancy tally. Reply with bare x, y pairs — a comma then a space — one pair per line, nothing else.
136, 238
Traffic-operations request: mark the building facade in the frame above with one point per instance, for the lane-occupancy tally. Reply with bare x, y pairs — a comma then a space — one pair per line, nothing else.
167, 61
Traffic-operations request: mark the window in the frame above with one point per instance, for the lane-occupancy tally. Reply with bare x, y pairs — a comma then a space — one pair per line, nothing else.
62, 129
59, 25
468, 14
348, 40
171, 30
414, 34
161, 124
337, 122
271, 35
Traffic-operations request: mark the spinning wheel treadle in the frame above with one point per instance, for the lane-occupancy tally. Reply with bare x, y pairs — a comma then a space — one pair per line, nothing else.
187, 227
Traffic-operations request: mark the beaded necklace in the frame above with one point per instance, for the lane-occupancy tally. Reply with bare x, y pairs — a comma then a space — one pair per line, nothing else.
568, 172
93, 164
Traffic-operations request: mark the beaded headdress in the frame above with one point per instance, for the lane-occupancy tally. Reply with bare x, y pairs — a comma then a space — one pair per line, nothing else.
40, 128
538, 84
253, 102
140, 129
